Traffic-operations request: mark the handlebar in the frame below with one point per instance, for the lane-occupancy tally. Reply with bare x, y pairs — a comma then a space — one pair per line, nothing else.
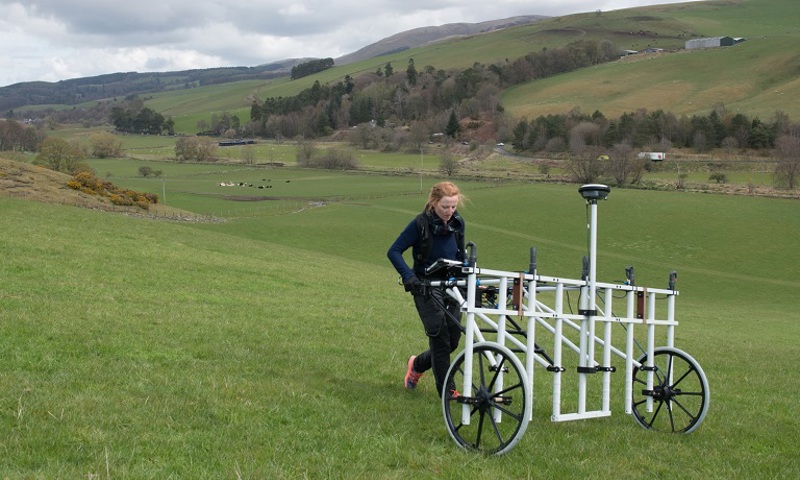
472, 258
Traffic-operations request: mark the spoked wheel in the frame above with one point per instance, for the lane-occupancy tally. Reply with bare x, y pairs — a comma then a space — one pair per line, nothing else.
678, 400
497, 406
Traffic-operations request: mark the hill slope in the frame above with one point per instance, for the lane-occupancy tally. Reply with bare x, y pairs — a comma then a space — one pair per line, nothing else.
422, 36
121, 84
23, 180
754, 78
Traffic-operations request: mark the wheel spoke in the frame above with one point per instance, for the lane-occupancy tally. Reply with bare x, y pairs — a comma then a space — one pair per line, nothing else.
665, 406
683, 377
495, 426
683, 409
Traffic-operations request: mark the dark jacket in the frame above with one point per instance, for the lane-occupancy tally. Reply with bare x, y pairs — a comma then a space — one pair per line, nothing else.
444, 244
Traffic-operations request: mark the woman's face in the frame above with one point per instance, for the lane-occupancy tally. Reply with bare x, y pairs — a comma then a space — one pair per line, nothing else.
445, 207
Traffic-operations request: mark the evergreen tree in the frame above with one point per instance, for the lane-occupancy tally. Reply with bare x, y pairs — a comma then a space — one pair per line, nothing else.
452, 125
411, 72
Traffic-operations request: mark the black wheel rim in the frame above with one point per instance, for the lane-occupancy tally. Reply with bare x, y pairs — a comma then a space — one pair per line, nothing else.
678, 397
496, 416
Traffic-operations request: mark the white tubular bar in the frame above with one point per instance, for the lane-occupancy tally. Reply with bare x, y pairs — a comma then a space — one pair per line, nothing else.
501, 337
566, 417
557, 341
671, 328
629, 313
651, 343
517, 295
671, 320
531, 328
609, 297
472, 281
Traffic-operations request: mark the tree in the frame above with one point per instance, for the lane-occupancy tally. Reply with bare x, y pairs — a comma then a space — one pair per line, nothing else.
452, 125
419, 133
388, 69
105, 145
448, 164
59, 155
411, 72
14, 136
586, 166
719, 177
145, 171
306, 152
247, 154
624, 166
788, 167
198, 149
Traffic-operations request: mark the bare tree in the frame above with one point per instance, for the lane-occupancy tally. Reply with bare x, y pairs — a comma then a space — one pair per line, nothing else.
788, 167
198, 149
247, 154
306, 152
624, 166
448, 164
582, 134
586, 166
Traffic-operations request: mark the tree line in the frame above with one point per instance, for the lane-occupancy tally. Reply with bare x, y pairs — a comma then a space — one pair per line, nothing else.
16, 136
391, 96
311, 67
657, 130
134, 117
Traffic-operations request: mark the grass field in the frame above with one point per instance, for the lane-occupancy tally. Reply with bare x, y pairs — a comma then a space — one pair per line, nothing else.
273, 345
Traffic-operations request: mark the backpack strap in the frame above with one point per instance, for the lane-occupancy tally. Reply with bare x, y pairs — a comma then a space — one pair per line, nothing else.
424, 228
460, 239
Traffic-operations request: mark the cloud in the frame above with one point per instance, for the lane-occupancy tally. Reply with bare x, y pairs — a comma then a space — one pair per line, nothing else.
53, 40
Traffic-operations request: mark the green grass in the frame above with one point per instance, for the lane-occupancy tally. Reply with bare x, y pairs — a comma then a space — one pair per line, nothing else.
685, 83
272, 346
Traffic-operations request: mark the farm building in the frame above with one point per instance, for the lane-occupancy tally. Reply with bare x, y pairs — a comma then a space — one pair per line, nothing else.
711, 42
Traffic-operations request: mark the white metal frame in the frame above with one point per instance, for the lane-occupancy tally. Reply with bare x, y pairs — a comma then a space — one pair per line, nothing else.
593, 323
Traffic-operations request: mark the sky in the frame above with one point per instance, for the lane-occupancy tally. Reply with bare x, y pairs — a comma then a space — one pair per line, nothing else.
52, 40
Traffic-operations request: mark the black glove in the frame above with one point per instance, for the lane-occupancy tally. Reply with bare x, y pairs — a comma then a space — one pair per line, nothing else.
414, 286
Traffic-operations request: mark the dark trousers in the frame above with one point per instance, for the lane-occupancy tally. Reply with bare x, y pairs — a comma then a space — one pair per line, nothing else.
443, 331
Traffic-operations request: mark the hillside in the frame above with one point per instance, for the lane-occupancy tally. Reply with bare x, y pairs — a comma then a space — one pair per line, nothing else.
139, 349
422, 36
26, 181
754, 78
79, 90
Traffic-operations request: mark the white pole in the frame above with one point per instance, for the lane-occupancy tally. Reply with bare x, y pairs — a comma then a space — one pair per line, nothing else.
421, 168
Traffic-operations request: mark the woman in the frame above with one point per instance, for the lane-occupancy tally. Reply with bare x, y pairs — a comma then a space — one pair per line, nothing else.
437, 232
